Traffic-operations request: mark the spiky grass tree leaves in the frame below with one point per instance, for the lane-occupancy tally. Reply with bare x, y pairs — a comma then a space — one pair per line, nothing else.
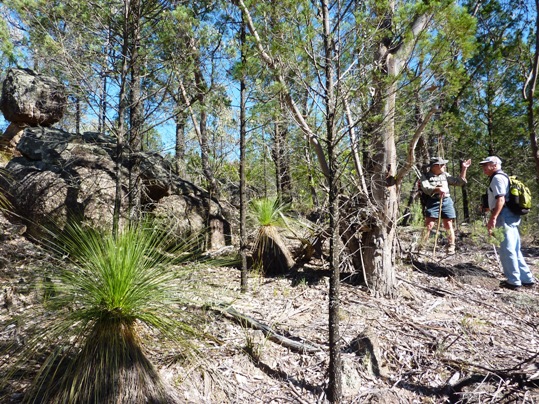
117, 288
270, 254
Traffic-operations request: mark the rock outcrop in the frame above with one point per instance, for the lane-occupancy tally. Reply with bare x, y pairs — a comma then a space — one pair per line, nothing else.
29, 99
61, 176
54, 176
32, 99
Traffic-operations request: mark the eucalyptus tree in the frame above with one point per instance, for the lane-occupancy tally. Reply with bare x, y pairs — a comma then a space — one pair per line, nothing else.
485, 114
194, 43
530, 83
373, 42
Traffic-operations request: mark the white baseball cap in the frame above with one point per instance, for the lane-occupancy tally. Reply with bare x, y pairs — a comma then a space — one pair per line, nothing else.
492, 159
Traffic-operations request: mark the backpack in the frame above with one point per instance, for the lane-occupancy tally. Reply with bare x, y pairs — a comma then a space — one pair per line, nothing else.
520, 198
423, 197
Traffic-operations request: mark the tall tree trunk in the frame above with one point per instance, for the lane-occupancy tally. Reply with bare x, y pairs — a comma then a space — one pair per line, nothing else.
243, 193
201, 89
102, 119
335, 365
529, 93
77, 115
179, 145
379, 243
280, 158
120, 131
135, 113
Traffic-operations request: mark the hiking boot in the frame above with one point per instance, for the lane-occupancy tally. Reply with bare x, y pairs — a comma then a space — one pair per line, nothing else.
450, 249
529, 285
510, 286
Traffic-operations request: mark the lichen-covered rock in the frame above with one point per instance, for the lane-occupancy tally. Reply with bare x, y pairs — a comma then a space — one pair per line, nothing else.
60, 177
32, 99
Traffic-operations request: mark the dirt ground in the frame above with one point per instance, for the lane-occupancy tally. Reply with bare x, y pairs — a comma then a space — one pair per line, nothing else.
451, 335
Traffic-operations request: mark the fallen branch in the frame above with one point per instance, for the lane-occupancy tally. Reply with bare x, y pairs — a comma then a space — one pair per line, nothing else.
247, 321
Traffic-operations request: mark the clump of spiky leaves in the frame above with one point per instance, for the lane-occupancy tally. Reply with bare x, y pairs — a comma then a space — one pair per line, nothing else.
117, 288
270, 254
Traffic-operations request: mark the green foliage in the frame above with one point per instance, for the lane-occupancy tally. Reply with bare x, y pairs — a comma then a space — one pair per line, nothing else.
7, 48
416, 211
115, 289
268, 212
479, 234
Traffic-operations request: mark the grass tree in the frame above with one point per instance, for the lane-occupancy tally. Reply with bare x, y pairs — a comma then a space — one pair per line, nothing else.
117, 292
270, 254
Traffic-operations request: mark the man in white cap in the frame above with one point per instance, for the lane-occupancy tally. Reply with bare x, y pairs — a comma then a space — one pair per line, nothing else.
435, 183
514, 267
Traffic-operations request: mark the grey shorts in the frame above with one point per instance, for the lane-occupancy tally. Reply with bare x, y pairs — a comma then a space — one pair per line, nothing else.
433, 208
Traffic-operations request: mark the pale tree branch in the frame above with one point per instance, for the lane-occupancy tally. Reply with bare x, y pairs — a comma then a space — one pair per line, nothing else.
532, 77
410, 159
355, 150
296, 113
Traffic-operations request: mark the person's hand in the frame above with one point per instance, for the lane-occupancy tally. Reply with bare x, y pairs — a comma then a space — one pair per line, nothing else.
491, 224
440, 191
467, 163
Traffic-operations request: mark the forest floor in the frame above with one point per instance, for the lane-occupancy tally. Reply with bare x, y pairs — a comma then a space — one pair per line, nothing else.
451, 335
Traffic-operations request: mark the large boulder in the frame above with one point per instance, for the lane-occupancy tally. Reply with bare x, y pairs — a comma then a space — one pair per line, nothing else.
31, 99
60, 176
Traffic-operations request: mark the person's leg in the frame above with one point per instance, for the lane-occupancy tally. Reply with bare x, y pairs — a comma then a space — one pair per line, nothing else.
432, 210
526, 276
448, 225
509, 255
448, 215
429, 225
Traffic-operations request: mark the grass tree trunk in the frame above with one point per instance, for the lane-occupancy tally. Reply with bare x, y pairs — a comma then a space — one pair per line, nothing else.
271, 255
94, 378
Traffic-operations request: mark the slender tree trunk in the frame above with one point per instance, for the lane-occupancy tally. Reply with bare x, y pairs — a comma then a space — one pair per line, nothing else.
529, 93
201, 89
243, 194
179, 148
136, 113
335, 365
310, 177
309, 163
120, 132
102, 119
282, 166
77, 115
